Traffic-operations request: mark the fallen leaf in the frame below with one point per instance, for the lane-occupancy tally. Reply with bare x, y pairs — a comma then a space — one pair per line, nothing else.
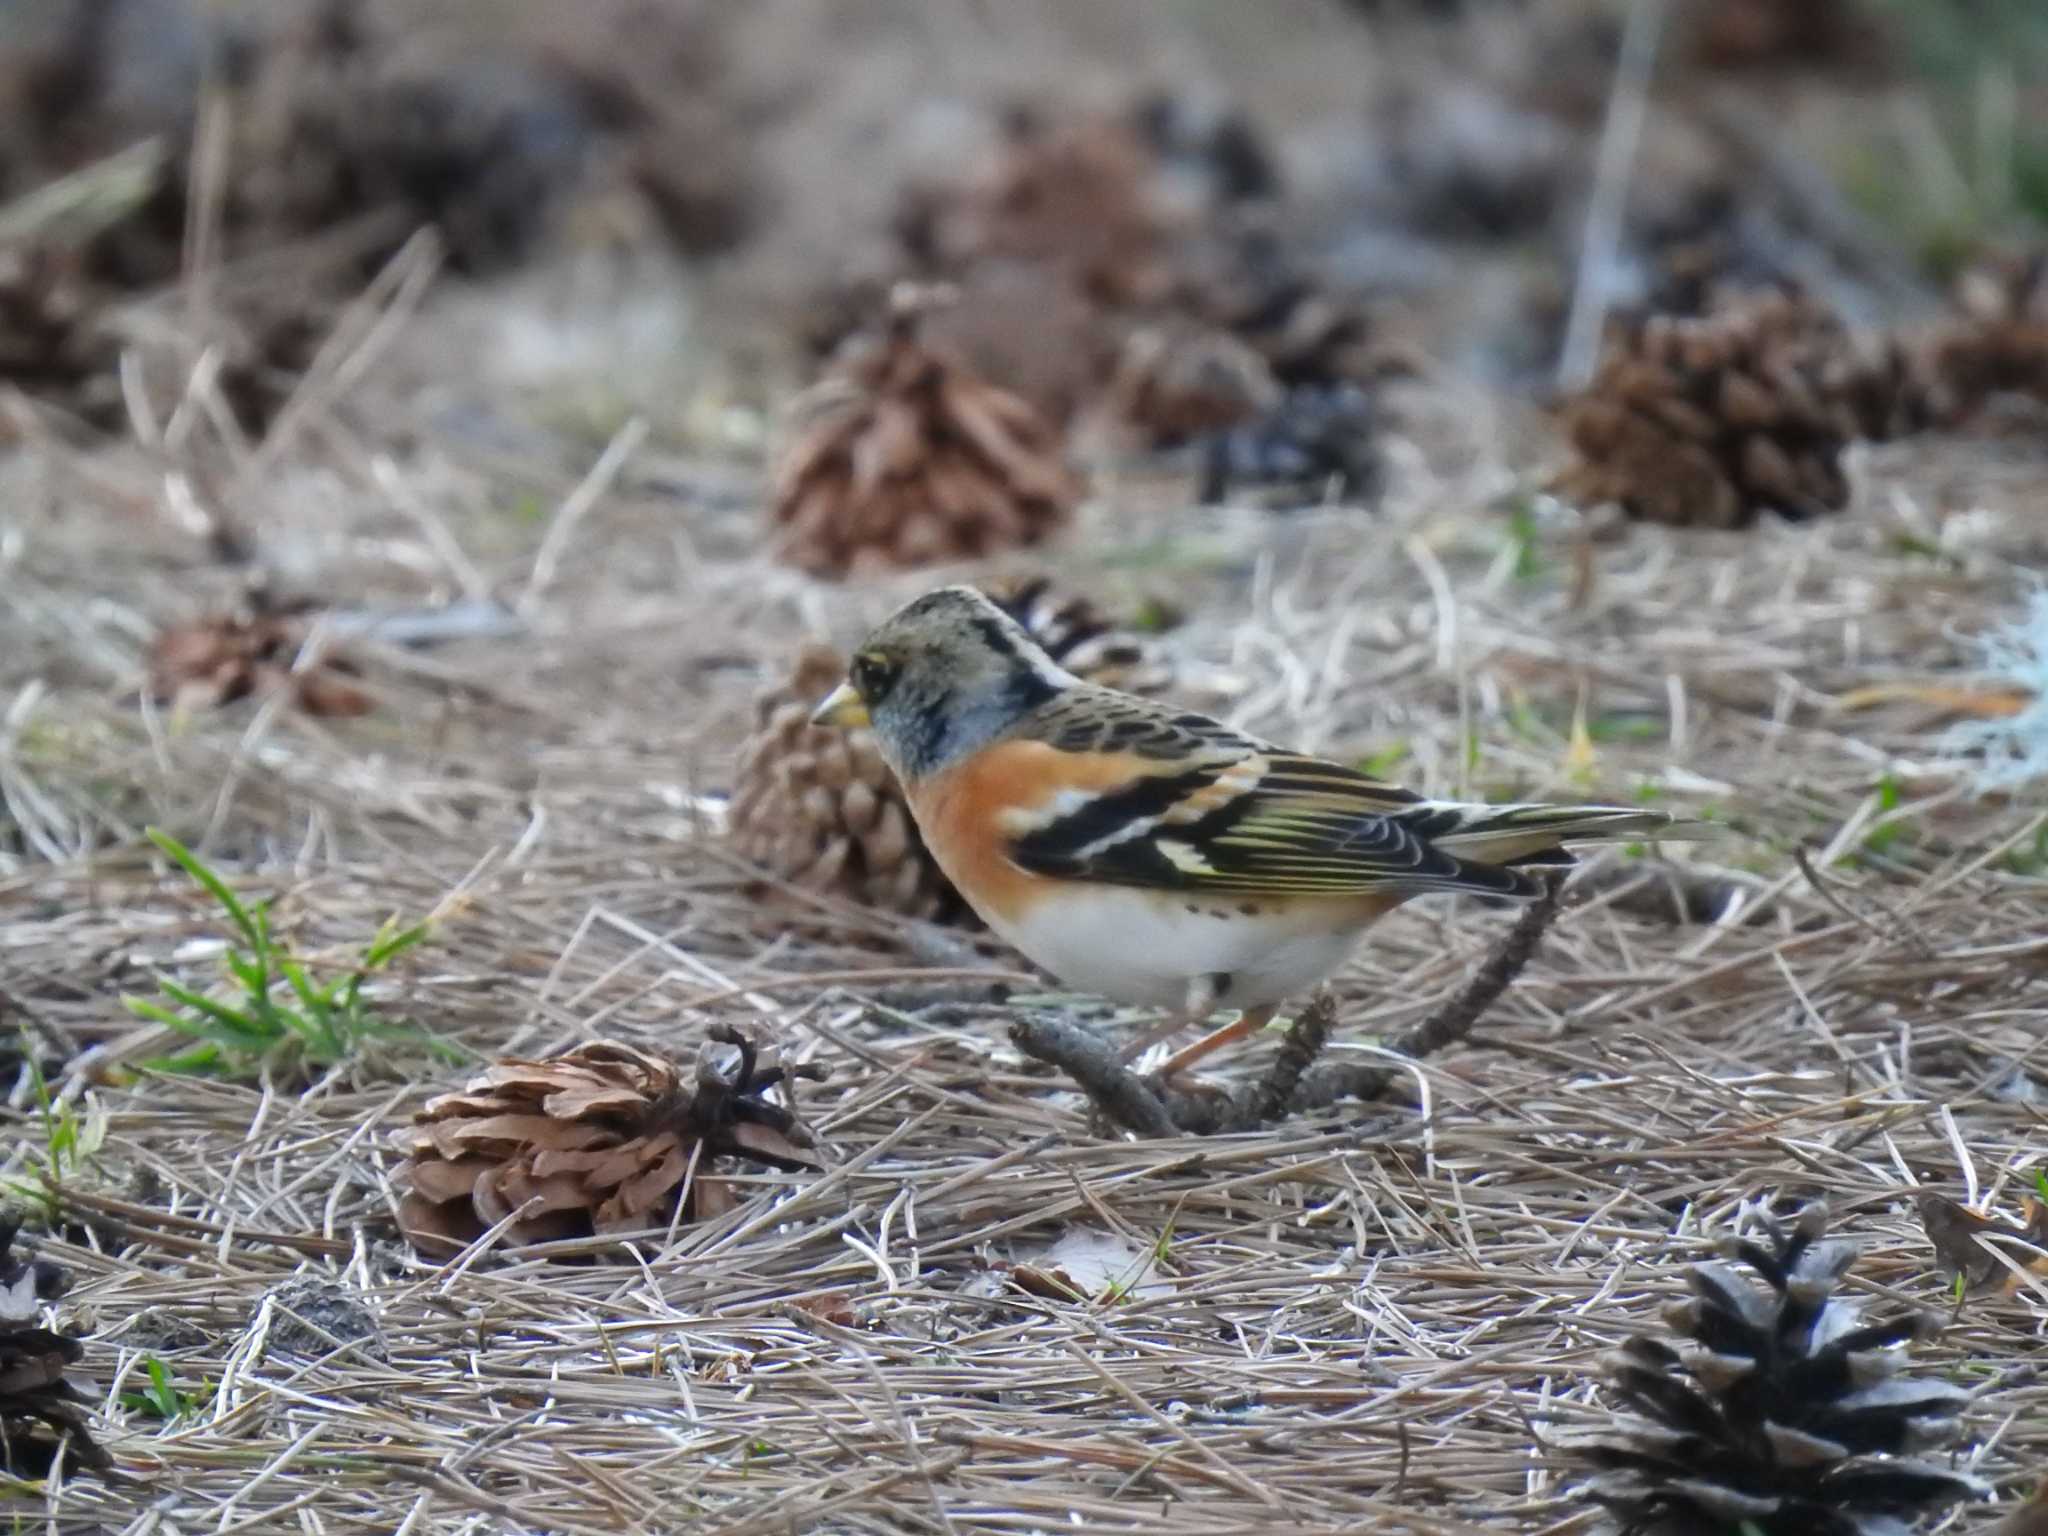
834, 1307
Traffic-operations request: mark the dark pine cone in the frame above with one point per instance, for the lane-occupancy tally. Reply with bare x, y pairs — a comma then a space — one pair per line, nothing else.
1780, 1413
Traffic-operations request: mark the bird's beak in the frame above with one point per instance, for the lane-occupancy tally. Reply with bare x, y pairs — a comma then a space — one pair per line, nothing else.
842, 707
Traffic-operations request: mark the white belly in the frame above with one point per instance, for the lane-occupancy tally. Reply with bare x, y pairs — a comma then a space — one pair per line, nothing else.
1145, 947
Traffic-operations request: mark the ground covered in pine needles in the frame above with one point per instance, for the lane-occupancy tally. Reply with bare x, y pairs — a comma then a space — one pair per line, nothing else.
988, 1313
520, 592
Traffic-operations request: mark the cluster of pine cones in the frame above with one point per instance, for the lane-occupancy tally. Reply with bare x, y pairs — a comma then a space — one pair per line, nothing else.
1709, 421
1119, 263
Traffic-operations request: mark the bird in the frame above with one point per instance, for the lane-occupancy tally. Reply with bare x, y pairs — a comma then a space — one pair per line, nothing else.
1152, 855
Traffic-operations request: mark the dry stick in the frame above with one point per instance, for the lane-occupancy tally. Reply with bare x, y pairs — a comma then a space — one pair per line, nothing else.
1449, 1024
1120, 1093
1152, 1108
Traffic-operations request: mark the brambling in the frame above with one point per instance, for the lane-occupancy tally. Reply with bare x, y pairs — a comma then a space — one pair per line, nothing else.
1154, 855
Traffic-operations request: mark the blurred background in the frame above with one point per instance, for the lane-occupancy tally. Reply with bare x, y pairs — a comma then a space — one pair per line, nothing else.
722, 192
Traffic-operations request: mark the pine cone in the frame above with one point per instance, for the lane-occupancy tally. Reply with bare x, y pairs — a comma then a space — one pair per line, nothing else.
907, 459
1077, 194
52, 346
820, 809
2000, 345
1782, 1414
34, 1396
1244, 280
1312, 446
1078, 635
602, 1137
1776, 34
223, 657
1176, 383
1891, 389
1711, 421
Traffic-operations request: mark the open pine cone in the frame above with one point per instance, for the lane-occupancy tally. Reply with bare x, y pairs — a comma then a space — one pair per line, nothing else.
1710, 421
1245, 279
602, 1138
34, 1396
1781, 1414
907, 458
224, 657
2001, 343
1175, 383
820, 809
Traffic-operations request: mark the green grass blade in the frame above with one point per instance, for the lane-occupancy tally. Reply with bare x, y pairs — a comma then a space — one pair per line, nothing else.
216, 887
392, 941
250, 1027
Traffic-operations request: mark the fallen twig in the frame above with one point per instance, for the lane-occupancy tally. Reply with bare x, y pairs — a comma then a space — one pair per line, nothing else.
1120, 1093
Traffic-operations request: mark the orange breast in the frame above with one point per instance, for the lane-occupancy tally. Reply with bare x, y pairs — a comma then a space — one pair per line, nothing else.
960, 812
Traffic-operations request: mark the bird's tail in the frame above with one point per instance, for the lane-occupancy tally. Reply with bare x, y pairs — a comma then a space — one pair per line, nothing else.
1517, 836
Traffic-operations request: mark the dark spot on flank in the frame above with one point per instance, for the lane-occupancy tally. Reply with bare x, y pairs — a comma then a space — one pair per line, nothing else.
1221, 980
1130, 730
1247, 909
1191, 722
1191, 907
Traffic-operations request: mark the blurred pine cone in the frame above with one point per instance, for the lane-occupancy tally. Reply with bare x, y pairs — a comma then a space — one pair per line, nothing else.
2000, 343
1076, 192
52, 345
1710, 421
34, 1395
818, 807
907, 458
1839, 35
223, 657
1175, 383
1244, 279
598, 1139
1781, 1414
1314, 445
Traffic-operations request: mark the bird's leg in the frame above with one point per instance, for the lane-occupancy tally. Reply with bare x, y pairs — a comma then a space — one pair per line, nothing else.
1201, 1002
1250, 1022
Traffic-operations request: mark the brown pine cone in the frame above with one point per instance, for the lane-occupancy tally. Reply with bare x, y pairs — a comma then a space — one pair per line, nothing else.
1892, 389
602, 1137
1078, 193
1782, 34
2000, 343
1175, 383
818, 807
224, 657
1708, 422
907, 458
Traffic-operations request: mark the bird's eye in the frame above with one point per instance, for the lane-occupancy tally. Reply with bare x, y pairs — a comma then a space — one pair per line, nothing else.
872, 676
